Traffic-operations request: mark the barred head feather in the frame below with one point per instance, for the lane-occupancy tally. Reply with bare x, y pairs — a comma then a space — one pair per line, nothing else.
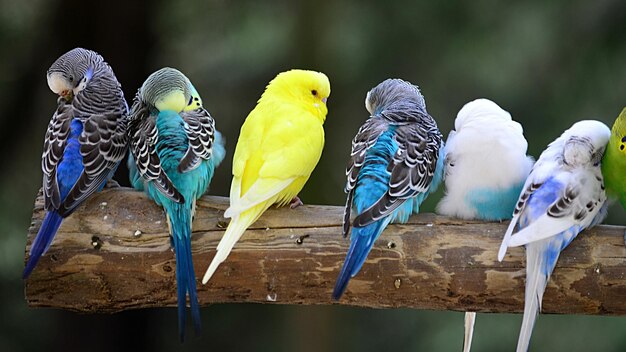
166, 88
397, 100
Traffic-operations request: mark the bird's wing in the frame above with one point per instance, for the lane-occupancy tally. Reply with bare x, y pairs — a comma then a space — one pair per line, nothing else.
262, 190
200, 129
271, 154
103, 145
411, 170
53, 148
365, 138
530, 187
575, 206
144, 135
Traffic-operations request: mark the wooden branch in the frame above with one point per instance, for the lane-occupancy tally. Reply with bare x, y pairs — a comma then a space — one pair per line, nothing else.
114, 254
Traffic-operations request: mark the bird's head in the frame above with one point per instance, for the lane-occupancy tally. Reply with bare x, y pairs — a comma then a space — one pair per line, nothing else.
310, 88
585, 142
167, 89
394, 94
72, 72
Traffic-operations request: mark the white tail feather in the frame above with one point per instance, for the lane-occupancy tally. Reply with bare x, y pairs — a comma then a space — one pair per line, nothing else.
470, 319
535, 286
233, 233
507, 237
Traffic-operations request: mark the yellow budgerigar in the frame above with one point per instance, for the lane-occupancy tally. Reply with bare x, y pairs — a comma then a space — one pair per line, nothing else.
280, 143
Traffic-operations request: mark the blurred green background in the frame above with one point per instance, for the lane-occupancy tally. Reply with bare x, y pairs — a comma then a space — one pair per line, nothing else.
548, 63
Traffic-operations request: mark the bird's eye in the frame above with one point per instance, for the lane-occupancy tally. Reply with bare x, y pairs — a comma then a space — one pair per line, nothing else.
314, 92
71, 78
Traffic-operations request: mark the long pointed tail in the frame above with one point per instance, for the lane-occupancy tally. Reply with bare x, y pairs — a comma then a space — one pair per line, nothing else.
49, 226
179, 216
235, 230
362, 240
536, 280
470, 320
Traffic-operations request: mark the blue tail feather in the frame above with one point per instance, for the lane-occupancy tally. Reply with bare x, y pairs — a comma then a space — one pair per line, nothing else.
362, 241
47, 231
180, 219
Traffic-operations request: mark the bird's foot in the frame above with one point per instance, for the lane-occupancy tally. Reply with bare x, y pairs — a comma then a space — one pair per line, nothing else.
112, 184
295, 202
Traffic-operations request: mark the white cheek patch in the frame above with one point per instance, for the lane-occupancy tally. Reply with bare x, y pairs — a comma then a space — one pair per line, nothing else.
58, 83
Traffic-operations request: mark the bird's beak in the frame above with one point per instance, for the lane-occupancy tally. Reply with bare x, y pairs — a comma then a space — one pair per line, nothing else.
66, 94
324, 100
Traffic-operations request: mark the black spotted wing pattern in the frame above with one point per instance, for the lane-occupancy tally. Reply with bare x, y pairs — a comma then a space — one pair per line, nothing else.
200, 129
411, 170
365, 138
54, 146
144, 136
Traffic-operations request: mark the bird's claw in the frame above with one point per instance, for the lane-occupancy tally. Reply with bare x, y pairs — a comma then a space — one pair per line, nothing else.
112, 184
295, 202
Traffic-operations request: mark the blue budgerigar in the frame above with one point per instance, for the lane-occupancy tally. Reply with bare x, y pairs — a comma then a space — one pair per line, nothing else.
485, 168
396, 161
174, 152
85, 142
563, 195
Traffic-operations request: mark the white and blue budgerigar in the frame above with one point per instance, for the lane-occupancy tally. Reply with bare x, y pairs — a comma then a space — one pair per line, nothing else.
563, 195
485, 164
485, 168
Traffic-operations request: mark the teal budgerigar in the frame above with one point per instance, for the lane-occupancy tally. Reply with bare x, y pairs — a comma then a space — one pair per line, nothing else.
85, 142
395, 163
174, 152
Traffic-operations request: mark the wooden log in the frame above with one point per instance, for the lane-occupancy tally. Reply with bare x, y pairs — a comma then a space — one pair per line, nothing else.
114, 254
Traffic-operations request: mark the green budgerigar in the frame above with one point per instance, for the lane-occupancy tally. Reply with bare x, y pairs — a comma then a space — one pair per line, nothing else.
614, 161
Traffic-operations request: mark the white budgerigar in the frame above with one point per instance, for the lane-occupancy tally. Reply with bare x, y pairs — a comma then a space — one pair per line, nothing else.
563, 195
485, 169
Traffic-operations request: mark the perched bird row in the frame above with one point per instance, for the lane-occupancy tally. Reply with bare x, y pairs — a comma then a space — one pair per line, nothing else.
398, 158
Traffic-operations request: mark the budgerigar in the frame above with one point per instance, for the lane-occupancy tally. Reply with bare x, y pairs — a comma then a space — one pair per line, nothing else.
485, 164
614, 161
563, 195
175, 150
85, 142
279, 145
484, 169
396, 161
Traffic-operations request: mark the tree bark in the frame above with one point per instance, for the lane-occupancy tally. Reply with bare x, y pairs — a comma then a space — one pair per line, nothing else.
114, 254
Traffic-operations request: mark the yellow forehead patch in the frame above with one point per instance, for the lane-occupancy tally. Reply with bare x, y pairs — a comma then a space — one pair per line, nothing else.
174, 101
